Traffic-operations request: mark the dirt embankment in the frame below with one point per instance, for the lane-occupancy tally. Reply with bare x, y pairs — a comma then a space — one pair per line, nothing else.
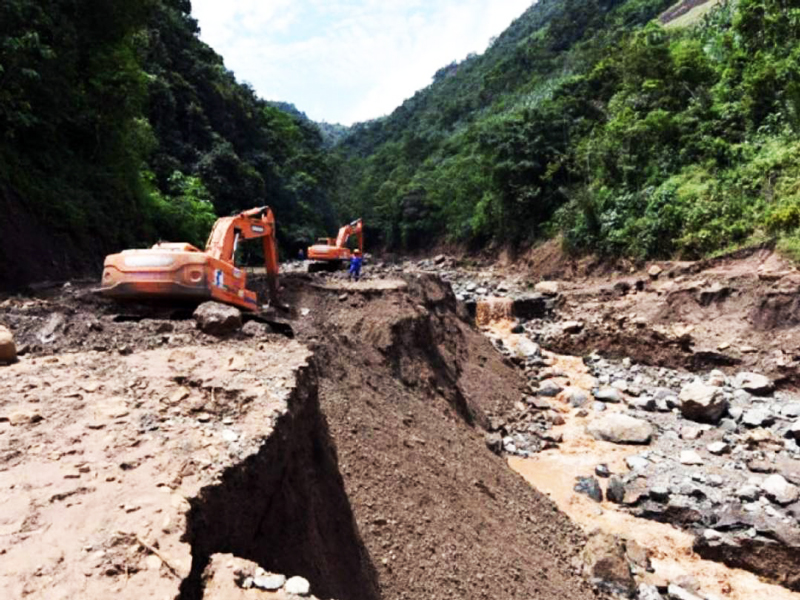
136, 450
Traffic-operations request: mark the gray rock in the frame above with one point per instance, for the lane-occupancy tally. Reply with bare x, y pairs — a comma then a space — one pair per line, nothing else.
637, 463
602, 471
792, 411
8, 348
598, 407
527, 348
754, 383
758, 417
269, 583
218, 319
494, 442
717, 378
741, 396
49, 332
736, 413
608, 394
703, 403
644, 403
620, 384
718, 448
550, 389
659, 493
748, 493
690, 457
621, 429
676, 592
780, 491
298, 586
691, 433
547, 288
648, 592
576, 397
256, 329
615, 492
589, 486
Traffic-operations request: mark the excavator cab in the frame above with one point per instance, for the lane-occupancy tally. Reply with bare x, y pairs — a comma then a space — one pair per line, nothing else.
171, 271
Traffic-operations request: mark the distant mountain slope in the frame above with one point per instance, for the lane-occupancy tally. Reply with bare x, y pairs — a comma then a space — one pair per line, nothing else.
591, 119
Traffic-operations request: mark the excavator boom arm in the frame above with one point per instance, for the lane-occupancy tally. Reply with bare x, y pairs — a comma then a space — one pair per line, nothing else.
345, 233
251, 224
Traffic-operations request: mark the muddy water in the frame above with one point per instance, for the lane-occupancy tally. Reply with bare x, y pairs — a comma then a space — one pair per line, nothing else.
553, 472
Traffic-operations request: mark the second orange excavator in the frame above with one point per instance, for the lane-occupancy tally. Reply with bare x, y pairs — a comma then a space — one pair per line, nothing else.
182, 272
330, 254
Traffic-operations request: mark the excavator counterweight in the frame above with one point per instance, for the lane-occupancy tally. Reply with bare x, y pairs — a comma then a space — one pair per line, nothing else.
182, 272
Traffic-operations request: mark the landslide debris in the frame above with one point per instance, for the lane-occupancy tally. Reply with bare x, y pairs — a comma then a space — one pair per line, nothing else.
142, 448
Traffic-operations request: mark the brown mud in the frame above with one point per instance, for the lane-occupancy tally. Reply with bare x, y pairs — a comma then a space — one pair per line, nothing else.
134, 449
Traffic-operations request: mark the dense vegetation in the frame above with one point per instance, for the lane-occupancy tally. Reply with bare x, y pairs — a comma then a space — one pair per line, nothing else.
119, 127
589, 118
586, 117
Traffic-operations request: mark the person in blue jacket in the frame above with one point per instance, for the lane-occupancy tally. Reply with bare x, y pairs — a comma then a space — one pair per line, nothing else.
355, 265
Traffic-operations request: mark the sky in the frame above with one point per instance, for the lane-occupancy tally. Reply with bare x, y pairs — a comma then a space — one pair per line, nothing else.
347, 61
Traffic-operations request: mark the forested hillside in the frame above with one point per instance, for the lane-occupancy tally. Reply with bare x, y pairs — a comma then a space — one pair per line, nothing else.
588, 117
119, 127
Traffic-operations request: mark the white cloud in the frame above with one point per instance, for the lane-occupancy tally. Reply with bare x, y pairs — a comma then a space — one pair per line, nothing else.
347, 60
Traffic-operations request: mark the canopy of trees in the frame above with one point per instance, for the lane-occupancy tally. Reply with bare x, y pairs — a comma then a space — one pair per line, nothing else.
588, 117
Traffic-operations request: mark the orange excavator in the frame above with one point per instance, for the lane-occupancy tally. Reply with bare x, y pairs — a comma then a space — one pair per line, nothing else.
330, 253
182, 272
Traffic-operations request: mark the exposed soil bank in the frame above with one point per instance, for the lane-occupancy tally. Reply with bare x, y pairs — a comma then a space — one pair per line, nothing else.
285, 509
404, 383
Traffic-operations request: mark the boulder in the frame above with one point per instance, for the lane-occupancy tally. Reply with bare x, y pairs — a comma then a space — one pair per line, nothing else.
550, 389
690, 457
218, 319
8, 348
547, 288
269, 583
703, 403
589, 486
655, 272
526, 348
754, 383
637, 463
780, 491
615, 492
758, 417
621, 429
574, 396
298, 586
608, 394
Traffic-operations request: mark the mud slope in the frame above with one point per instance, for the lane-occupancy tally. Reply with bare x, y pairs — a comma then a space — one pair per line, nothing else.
404, 385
